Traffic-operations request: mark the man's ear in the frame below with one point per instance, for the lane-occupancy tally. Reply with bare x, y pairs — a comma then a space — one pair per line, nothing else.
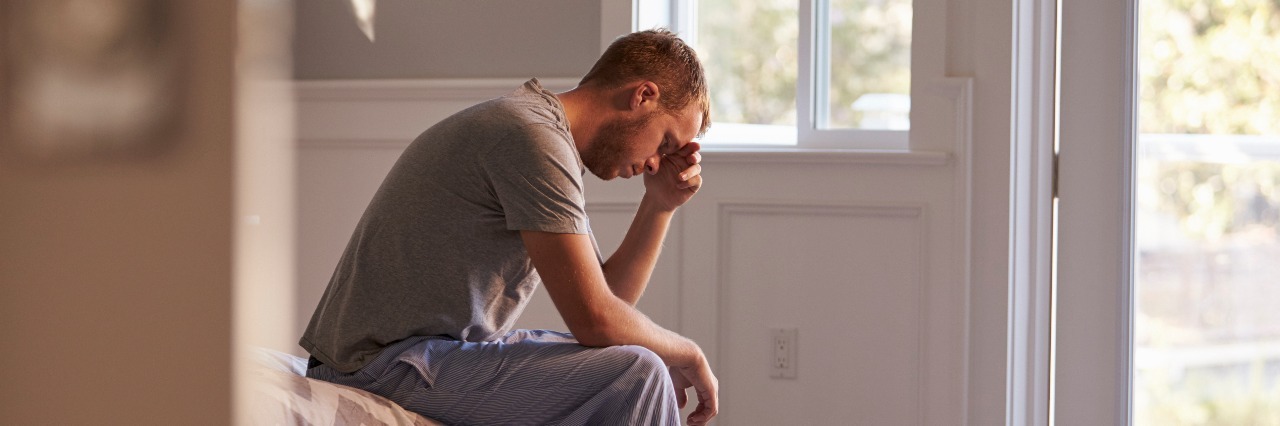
645, 95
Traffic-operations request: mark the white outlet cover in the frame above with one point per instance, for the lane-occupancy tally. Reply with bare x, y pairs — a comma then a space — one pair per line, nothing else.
783, 353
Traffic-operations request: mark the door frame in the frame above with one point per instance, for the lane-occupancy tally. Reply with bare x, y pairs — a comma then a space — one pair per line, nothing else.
1034, 120
1095, 217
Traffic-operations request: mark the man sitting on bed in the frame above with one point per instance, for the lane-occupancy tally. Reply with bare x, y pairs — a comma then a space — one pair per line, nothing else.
487, 204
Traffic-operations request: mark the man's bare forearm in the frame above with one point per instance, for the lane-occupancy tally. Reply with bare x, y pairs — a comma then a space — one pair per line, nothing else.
598, 317
629, 269
594, 314
625, 325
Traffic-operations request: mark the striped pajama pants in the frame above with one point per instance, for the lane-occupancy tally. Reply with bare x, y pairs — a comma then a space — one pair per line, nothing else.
533, 377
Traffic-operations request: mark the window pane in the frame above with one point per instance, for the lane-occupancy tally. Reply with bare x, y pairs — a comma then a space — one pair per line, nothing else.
749, 51
1207, 326
865, 82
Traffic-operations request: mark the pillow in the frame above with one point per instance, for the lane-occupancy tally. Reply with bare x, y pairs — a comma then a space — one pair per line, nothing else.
282, 395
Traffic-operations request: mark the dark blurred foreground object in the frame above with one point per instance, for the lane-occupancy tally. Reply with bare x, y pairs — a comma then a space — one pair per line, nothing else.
88, 78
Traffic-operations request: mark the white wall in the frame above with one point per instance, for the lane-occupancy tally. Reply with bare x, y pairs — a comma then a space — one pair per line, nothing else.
893, 266
448, 39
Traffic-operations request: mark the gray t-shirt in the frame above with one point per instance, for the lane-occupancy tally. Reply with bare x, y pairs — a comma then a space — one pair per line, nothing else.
438, 251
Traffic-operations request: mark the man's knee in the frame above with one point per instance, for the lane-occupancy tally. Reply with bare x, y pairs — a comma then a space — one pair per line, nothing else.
643, 360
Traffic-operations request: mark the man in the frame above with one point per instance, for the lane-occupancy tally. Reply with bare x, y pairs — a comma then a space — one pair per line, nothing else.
488, 203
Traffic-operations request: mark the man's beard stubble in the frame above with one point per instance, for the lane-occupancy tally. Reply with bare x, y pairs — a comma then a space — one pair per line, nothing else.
608, 149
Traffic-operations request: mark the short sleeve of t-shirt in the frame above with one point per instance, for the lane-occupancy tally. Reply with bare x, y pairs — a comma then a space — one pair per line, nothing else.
537, 178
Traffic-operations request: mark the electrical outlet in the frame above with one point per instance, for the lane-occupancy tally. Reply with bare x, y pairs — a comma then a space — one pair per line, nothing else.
783, 352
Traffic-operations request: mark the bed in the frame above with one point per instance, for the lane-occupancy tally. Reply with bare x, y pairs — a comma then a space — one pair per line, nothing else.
282, 395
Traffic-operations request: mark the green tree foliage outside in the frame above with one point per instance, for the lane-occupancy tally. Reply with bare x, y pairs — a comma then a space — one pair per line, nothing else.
1212, 69
870, 53
750, 52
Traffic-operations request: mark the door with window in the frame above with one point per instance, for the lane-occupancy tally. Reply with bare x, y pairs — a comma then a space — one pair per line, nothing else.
1170, 209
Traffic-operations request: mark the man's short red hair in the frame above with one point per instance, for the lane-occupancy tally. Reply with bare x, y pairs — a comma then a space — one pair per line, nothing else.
660, 56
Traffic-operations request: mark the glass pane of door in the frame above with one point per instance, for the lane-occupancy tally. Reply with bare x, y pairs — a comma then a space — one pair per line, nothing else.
1207, 305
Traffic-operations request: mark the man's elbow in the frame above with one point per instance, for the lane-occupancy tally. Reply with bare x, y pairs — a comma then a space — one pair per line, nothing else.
599, 331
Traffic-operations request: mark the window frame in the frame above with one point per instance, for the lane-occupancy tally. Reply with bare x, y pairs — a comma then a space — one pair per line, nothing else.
681, 16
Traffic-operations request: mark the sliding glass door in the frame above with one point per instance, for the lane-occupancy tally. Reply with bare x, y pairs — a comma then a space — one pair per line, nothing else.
1169, 274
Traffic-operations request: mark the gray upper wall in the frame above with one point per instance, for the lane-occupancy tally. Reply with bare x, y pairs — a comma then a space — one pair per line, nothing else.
447, 39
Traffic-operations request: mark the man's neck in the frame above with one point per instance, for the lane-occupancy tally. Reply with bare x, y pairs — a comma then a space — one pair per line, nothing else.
583, 108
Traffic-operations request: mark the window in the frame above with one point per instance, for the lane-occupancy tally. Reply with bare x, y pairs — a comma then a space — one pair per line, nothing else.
1207, 224
824, 74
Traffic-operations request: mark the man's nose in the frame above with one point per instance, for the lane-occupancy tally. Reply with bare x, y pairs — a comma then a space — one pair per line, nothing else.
651, 165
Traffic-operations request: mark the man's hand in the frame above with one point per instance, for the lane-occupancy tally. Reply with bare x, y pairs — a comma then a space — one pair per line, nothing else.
704, 384
571, 274
680, 383
678, 177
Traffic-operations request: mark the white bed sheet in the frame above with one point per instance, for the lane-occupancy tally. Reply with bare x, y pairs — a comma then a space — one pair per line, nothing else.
283, 395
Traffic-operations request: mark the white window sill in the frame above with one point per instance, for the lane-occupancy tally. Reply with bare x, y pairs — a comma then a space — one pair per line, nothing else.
738, 154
